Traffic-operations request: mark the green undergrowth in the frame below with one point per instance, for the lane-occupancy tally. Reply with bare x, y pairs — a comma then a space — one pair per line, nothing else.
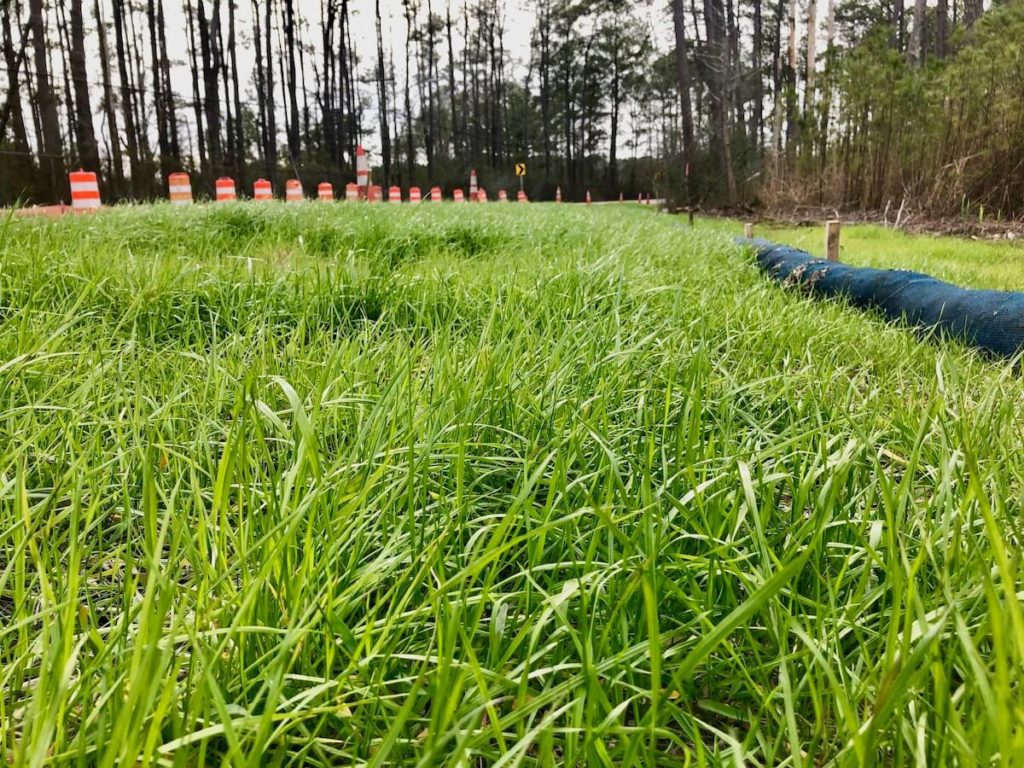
500, 485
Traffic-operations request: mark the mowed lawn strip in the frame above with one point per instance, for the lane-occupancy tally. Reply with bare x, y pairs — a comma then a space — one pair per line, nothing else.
509, 485
963, 261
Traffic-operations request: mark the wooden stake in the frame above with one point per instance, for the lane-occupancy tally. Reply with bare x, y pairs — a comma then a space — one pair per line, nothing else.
689, 212
832, 240
748, 230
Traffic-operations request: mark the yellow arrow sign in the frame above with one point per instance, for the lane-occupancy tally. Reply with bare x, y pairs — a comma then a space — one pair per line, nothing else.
520, 169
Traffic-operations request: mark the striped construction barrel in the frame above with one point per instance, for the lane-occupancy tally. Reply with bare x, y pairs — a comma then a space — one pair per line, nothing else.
225, 188
179, 189
85, 191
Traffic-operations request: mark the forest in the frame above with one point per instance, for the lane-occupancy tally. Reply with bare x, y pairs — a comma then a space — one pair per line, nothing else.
781, 103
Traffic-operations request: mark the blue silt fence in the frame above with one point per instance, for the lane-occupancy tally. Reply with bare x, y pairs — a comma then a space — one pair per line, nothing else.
990, 320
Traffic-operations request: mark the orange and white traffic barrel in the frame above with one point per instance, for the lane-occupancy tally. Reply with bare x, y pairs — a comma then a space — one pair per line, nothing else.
414, 194
558, 194
457, 196
85, 191
521, 197
225, 187
435, 194
324, 191
375, 194
502, 196
362, 168
481, 195
293, 191
472, 186
351, 192
394, 194
262, 190
179, 189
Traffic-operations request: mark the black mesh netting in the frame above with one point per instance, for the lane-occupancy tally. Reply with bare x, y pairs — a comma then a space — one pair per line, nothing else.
990, 320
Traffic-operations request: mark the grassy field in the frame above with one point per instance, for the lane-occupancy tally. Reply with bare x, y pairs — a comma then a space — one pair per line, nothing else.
997, 264
329, 485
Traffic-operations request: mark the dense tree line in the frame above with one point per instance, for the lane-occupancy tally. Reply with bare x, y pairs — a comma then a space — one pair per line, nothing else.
853, 104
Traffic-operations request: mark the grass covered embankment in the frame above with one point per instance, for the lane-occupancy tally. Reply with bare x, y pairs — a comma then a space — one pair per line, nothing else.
325, 485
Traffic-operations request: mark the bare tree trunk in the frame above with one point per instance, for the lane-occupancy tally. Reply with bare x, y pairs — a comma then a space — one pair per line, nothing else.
237, 97
973, 9
19, 168
197, 103
451, 82
941, 28
63, 49
221, 67
392, 79
127, 99
826, 105
170, 109
117, 183
327, 86
792, 119
716, 43
12, 109
812, 52
294, 141
544, 72
260, 78
615, 104
410, 146
207, 41
899, 26
300, 48
140, 91
758, 63
734, 95
87, 149
158, 98
502, 93
778, 86
382, 101
685, 108
271, 149
917, 34
467, 143
352, 108
433, 94
52, 155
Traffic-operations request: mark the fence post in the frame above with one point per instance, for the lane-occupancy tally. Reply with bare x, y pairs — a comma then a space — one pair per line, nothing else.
748, 230
832, 240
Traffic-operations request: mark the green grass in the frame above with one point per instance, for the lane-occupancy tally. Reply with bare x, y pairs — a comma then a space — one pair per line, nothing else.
961, 261
333, 485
